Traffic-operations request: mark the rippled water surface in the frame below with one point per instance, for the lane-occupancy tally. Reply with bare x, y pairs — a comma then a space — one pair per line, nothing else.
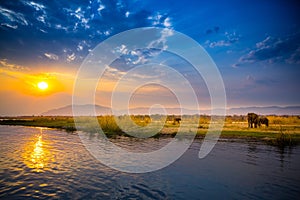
45, 163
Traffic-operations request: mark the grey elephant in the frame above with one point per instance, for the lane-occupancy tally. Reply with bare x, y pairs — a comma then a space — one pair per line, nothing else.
253, 119
263, 120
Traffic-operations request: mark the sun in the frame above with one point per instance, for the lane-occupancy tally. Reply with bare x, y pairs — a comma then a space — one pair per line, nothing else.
42, 85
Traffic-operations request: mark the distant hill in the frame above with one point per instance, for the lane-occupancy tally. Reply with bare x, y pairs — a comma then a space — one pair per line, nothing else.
85, 110
82, 110
145, 110
269, 110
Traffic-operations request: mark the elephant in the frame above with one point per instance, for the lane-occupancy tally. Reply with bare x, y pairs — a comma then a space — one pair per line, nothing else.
173, 119
253, 119
263, 120
177, 120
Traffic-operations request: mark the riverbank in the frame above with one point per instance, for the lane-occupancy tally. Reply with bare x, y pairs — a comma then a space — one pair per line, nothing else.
282, 130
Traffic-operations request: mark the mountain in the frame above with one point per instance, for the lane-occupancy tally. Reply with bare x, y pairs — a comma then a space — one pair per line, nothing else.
86, 110
82, 110
170, 111
268, 110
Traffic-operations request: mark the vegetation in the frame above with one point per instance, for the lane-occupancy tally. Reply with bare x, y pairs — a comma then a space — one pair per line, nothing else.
282, 131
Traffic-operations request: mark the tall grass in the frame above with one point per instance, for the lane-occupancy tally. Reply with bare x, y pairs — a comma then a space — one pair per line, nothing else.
283, 130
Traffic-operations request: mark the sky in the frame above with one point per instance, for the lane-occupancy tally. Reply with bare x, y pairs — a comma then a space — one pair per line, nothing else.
255, 45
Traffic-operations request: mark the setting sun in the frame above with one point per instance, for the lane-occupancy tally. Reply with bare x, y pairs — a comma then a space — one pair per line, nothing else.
42, 85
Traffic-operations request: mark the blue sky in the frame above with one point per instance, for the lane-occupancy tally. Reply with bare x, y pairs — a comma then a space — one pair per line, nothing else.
255, 44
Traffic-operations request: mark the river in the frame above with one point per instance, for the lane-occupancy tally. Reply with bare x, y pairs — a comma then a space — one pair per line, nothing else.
47, 163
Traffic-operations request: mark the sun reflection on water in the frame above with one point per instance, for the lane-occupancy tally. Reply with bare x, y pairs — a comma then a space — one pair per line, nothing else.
36, 154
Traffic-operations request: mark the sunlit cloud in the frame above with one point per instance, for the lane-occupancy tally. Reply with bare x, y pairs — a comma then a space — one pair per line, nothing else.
4, 64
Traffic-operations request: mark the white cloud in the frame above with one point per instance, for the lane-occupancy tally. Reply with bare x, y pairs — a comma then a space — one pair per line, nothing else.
71, 57
60, 27
34, 5
160, 43
42, 30
107, 33
83, 44
101, 7
127, 14
227, 40
13, 16
155, 19
41, 18
79, 14
51, 56
121, 49
160, 20
9, 26
39, 8
220, 43
167, 22
79, 47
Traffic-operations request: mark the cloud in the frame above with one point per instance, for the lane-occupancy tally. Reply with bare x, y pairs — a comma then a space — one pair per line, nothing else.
9, 26
39, 11
11, 18
82, 20
82, 45
67, 24
294, 58
60, 27
51, 56
160, 20
71, 57
160, 43
4, 64
274, 50
227, 39
34, 5
220, 43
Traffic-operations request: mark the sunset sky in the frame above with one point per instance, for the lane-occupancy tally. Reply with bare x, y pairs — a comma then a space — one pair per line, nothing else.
255, 45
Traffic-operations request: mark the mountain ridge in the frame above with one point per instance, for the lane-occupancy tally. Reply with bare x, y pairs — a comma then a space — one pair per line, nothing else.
87, 110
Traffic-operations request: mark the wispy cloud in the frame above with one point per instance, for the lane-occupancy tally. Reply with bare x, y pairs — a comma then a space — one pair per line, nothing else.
160, 43
9, 26
39, 11
11, 18
228, 39
220, 43
36, 6
51, 56
5, 64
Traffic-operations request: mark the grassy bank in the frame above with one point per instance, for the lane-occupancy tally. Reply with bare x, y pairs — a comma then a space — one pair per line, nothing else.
283, 130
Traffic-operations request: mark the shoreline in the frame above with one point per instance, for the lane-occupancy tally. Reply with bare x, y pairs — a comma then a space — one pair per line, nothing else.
276, 135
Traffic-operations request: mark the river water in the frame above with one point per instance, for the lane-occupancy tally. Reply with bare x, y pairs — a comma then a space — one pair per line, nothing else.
52, 164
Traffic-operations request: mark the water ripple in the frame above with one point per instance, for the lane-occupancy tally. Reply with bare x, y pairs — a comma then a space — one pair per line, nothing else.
46, 164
